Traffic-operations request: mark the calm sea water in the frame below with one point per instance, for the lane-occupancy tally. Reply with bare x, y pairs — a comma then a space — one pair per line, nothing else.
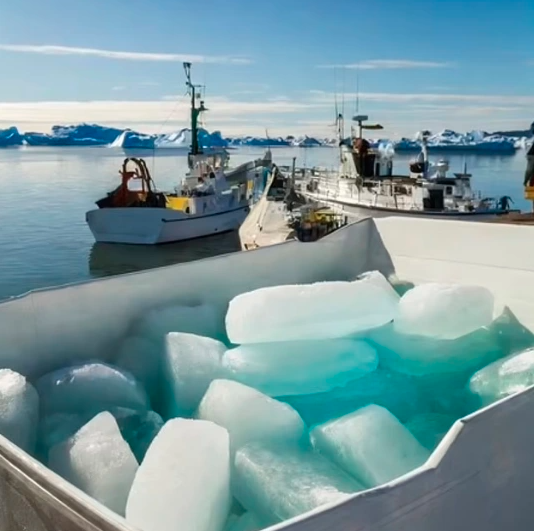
44, 240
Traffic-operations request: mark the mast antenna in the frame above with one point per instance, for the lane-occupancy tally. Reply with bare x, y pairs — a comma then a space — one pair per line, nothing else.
336, 109
358, 89
343, 94
195, 111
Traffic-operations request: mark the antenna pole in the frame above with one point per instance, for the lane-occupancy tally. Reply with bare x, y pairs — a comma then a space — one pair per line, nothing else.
343, 94
195, 111
358, 89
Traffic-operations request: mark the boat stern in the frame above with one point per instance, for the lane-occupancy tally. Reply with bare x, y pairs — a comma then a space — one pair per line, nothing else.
125, 225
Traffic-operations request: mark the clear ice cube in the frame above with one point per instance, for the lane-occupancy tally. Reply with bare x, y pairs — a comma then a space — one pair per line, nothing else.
92, 387
190, 363
371, 444
503, 378
184, 480
138, 428
277, 483
422, 355
426, 356
324, 310
250, 415
299, 367
97, 460
444, 311
19, 410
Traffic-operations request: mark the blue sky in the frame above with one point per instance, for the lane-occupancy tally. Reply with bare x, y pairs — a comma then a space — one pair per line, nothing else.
421, 64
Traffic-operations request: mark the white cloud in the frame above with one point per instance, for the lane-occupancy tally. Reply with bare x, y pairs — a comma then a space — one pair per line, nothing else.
218, 105
120, 55
392, 97
389, 64
118, 88
401, 114
147, 115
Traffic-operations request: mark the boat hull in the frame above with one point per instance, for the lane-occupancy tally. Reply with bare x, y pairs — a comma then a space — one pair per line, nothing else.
153, 226
362, 211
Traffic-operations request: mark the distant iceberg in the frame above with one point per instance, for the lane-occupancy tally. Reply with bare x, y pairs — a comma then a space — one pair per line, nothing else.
86, 135
82, 135
253, 141
11, 137
306, 141
176, 140
133, 140
451, 141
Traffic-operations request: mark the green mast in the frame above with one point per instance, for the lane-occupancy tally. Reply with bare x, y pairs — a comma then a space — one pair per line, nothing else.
195, 111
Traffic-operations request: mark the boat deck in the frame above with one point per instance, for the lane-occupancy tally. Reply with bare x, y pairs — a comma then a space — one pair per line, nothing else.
515, 218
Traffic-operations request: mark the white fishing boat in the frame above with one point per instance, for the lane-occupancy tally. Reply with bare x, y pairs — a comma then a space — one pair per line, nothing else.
366, 185
205, 203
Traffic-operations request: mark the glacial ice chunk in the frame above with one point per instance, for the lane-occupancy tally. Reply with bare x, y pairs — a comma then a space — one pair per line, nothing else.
503, 378
191, 362
142, 358
444, 311
201, 320
277, 484
511, 335
249, 415
419, 355
371, 444
396, 392
98, 461
92, 387
324, 310
430, 428
138, 428
19, 410
442, 367
184, 480
300, 367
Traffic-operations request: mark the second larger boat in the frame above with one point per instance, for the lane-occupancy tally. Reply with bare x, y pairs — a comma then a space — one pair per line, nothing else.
366, 185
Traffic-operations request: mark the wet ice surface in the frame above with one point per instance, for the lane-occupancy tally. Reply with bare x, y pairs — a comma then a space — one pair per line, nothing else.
191, 362
98, 461
90, 387
184, 480
371, 444
324, 310
19, 410
300, 367
326, 390
281, 483
250, 415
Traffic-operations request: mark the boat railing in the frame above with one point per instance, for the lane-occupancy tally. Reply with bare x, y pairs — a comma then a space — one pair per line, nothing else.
304, 172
